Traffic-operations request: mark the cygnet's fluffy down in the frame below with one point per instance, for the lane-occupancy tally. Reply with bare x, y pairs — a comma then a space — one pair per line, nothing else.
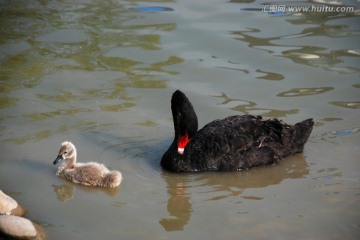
90, 174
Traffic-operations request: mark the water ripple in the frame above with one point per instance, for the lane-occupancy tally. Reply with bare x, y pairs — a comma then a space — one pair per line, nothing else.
299, 92
353, 105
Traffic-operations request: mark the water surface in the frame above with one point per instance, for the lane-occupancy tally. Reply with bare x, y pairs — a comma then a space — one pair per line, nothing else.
101, 74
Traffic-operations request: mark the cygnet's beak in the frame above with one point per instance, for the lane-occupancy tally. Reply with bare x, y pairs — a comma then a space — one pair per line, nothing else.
59, 158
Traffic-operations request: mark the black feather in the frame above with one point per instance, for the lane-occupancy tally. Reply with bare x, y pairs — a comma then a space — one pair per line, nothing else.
233, 143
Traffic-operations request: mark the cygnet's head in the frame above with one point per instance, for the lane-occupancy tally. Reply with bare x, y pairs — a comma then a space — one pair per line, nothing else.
67, 152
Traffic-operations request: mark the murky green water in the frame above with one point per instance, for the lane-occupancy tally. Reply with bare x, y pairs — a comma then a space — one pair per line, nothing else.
101, 74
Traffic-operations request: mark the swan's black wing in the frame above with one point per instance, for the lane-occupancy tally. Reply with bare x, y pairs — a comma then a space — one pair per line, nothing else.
242, 142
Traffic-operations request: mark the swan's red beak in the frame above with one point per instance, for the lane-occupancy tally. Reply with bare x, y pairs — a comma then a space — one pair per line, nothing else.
183, 140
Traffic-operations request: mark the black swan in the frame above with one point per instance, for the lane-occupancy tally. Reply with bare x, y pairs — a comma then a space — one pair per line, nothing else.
90, 174
230, 144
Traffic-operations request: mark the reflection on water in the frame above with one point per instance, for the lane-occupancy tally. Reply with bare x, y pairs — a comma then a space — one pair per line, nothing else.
6, 102
101, 73
312, 52
322, 122
270, 75
315, 56
353, 105
22, 70
46, 50
253, 41
334, 134
66, 190
219, 187
153, 9
297, 92
76, 62
248, 107
178, 207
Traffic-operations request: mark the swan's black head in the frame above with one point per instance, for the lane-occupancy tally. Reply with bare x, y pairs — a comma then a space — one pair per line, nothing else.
185, 126
184, 116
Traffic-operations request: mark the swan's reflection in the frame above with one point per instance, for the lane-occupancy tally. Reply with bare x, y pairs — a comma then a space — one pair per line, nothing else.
222, 186
179, 208
66, 190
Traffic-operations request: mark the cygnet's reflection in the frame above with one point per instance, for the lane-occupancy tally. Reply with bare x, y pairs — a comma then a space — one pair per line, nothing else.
66, 190
179, 204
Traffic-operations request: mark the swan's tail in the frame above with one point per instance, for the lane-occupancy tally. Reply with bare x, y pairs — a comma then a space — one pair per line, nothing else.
112, 179
297, 135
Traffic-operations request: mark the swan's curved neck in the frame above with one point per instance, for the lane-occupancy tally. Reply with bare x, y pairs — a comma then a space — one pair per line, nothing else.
185, 120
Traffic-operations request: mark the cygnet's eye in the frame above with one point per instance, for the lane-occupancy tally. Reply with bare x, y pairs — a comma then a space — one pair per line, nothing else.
65, 152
